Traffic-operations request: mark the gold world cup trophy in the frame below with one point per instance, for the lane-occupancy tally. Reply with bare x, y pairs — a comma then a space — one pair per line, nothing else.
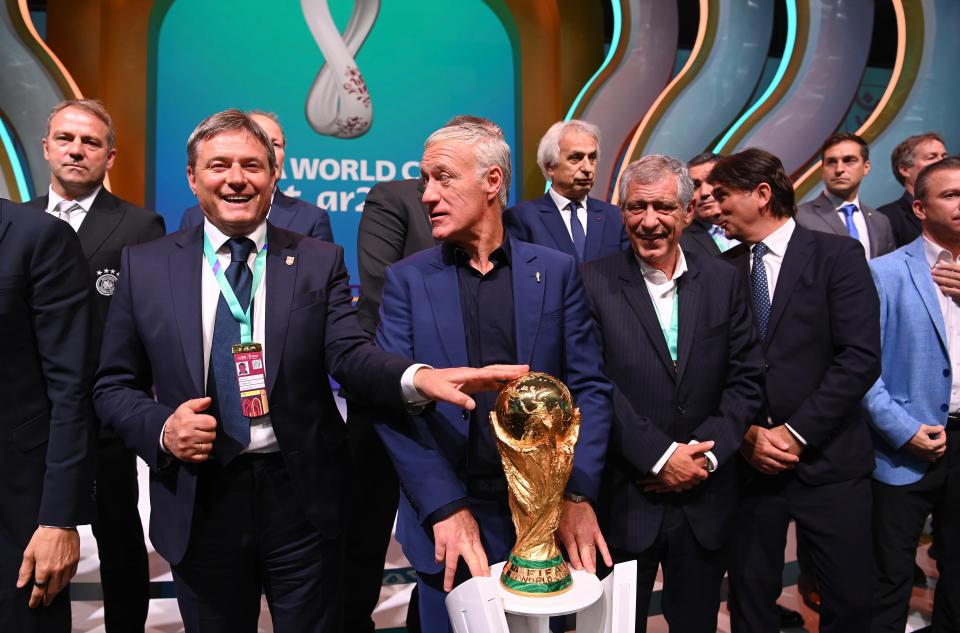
536, 426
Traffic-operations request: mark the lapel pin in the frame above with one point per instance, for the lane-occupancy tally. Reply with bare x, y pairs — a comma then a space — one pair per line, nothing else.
290, 260
538, 277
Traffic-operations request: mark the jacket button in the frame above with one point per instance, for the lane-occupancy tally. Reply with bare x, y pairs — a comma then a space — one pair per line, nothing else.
465, 414
946, 372
766, 367
681, 411
944, 408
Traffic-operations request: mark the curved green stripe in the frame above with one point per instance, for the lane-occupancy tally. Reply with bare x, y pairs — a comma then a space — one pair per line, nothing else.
536, 564
530, 587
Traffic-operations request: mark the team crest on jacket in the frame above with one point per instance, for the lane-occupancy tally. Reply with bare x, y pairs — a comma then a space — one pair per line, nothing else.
106, 281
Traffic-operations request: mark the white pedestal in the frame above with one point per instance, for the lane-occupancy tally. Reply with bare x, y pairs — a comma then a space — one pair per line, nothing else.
529, 614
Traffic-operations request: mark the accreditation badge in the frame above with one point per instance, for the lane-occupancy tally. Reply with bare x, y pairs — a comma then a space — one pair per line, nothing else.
251, 378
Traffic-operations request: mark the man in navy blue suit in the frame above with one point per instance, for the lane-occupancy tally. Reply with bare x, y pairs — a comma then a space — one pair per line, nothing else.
245, 502
47, 456
286, 211
566, 218
483, 297
679, 345
808, 455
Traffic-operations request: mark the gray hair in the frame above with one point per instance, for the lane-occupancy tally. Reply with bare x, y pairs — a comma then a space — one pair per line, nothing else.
651, 169
273, 117
489, 149
231, 120
92, 107
548, 152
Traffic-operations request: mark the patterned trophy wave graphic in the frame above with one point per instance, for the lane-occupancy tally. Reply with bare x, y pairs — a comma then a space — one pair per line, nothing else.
338, 103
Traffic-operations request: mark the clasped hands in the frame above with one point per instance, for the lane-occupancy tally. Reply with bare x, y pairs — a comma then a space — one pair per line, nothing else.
683, 470
771, 450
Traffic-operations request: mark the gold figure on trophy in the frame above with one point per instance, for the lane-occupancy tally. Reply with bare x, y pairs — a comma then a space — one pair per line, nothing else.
536, 426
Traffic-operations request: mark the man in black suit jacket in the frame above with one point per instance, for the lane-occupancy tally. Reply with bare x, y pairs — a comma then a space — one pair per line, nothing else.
838, 210
703, 234
46, 458
808, 456
566, 218
908, 160
682, 352
79, 148
286, 211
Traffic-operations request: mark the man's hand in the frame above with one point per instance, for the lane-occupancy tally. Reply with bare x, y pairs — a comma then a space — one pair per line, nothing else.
50, 561
685, 468
947, 276
580, 534
189, 434
927, 448
783, 437
452, 385
766, 451
458, 536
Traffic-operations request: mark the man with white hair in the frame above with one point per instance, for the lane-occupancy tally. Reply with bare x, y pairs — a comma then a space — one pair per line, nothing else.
566, 218
482, 296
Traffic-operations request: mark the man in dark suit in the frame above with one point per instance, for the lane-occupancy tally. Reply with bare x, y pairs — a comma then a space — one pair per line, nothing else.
483, 297
838, 210
703, 233
79, 148
286, 211
266, 510
808, 456
566, 218
679, 345
47, 456
907, 160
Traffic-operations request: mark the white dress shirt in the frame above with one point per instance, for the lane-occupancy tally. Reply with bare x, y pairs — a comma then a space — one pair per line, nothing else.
951, 318
563, 205
76, 217
858, 220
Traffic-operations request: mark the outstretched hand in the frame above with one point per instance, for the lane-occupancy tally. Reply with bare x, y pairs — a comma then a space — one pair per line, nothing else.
455, 537
454, 385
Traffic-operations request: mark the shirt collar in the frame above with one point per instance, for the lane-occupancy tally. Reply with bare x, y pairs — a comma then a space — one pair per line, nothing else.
453, 254
777, 241
218, 240
562, 201
658, 277
936, 253
837, 202
84, 201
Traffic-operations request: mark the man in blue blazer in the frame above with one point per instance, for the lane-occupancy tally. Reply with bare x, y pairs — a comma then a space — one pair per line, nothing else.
242, 503
566, 218
679, 345
807, 456
286, 212
483, 297
49, 325
914, 409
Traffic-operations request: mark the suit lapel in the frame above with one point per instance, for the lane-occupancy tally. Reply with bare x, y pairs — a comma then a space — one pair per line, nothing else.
799, 252
635, 291
529, 280
281, 212
596, 225
829, 214
555, 227
688, 302
186, 288
4, 222
873, 230
100, 221
920, 273
281, 281
443, 292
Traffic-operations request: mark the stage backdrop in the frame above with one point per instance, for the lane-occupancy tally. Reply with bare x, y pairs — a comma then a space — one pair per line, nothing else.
419, 68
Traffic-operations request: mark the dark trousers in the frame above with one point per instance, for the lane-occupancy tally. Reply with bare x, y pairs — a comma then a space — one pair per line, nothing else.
15, 615
692, 576
249, 533
124, 572
371, 510
835, 520
899, 513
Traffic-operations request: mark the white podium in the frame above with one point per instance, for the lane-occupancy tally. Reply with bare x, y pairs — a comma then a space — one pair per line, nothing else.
482, 605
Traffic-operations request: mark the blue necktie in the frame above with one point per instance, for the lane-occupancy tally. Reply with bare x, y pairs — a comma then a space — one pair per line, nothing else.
848, 210
576, 230
760, 288
233, 432
719, 237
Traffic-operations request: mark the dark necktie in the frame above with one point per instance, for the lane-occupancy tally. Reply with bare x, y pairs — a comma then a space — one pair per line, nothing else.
848, 211
233, 433
576, 230
760, 288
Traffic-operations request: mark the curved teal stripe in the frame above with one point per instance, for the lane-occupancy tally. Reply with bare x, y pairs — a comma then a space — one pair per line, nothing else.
617, 24
11, 149
777, 78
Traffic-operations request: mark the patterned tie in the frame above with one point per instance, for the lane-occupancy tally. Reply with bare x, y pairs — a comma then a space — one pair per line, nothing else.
848, 210
234, 432
576, 230
719, 237
761, 291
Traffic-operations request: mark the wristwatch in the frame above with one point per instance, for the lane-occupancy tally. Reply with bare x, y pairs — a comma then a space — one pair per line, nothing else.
576, 498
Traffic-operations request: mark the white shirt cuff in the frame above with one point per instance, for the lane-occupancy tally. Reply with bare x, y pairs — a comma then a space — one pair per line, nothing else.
793, 432
711, 458
663, 459
162, 429
413, 398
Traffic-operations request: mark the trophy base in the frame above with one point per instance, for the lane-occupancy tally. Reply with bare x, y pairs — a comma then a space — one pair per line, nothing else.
536, 577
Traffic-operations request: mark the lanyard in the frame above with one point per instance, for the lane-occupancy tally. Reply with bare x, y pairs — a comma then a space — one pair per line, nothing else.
670, 334
242, 317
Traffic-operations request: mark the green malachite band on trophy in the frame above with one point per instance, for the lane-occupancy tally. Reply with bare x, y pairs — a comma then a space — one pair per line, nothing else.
536, 564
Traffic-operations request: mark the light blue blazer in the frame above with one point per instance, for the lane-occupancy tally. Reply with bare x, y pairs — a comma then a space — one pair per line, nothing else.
914, 386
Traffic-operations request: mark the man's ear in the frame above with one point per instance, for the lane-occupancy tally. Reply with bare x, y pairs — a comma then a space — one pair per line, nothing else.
493, 180
192, 179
